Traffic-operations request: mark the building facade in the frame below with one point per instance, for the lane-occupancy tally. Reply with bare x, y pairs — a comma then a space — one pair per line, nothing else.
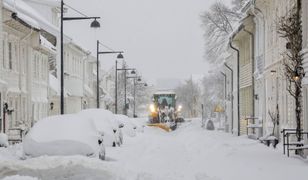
262, 83
24, 68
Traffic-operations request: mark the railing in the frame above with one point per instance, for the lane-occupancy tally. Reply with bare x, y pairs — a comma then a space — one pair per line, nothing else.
293, 145
15, 137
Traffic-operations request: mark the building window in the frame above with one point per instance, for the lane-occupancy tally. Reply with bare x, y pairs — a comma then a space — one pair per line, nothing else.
3, 54
10, 56
16, 56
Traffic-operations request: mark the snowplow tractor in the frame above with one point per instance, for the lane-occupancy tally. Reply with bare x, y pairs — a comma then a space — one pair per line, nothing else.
163, 111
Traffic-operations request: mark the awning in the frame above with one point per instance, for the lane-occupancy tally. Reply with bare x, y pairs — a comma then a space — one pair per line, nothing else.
47, 45
54, 85
14, 90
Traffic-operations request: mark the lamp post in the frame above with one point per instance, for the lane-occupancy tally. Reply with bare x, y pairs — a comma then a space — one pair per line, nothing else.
135, 84
138, 78
120, 56
94, 24
133, 71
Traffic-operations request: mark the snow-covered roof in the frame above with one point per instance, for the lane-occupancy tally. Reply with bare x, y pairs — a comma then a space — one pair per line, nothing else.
51, 3
20, 8
78, 47
164, 92
30, 15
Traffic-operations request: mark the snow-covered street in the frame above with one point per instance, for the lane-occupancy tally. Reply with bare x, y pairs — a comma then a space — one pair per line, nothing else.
187, 153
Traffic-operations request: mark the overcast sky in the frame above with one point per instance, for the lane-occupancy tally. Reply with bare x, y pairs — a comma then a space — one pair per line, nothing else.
161, 38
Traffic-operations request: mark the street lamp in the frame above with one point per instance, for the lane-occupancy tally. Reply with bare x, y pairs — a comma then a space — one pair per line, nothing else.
138, 78
133, 71
119, 56
135, 84
94, 24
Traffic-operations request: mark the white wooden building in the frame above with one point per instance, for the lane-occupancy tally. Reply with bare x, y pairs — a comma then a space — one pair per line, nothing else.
26, 49
262, 80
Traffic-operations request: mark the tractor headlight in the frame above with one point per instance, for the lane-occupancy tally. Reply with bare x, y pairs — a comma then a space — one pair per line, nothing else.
152, 108
179, 108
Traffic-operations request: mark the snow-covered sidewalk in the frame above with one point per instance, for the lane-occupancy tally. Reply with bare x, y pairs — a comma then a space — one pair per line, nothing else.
187, 153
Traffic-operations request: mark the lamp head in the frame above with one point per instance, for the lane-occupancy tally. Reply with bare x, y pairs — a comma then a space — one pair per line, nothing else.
120, 56
95, 24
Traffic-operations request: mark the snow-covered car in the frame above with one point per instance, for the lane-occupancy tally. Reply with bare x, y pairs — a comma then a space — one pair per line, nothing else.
64, 135
129, 128
105, 122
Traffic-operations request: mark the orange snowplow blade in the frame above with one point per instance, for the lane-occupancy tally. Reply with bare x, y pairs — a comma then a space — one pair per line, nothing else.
160, 125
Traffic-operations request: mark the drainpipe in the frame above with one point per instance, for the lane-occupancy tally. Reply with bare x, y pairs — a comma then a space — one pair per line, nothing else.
238, 88
253, 69
232, 119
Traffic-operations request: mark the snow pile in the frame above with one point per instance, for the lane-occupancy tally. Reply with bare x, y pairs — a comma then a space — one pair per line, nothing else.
140, 123
104, 122
65, 168
4, 140
62, 135
14, 152
129, 128
17, 177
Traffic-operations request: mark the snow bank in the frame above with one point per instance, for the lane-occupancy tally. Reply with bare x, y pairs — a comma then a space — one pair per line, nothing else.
129, 128
104, 122
62, 135
4, 140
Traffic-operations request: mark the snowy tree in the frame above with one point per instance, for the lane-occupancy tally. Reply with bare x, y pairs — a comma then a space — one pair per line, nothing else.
219, 22
188, 95
142, 93
290, 28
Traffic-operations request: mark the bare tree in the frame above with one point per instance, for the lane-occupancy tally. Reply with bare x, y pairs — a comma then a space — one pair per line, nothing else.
189, 95
219, 22
212, 91
275, 119
290, 28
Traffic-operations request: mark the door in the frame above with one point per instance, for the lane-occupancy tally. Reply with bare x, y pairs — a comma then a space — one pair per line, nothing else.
1, 111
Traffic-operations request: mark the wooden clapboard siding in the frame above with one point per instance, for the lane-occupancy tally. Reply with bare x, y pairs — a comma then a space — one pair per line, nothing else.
245, 107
